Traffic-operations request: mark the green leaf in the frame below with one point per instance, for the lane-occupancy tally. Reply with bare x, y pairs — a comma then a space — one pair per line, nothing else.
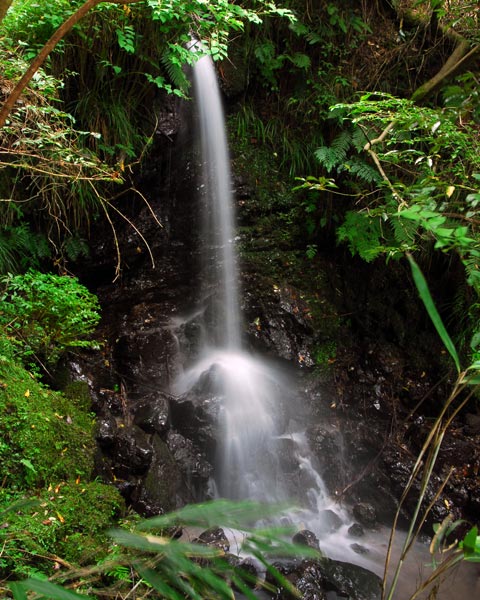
158, 583
470, 543
47, 589
427, 300
18, 591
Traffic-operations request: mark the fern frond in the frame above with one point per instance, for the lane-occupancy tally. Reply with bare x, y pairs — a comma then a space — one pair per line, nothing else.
342, 142
364, 171
359, 139
174, 69
404, 230
363, 235
334, 155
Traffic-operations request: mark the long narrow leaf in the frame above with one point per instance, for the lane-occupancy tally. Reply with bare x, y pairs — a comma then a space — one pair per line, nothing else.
50, 590
17, 590
158, 583
427, 300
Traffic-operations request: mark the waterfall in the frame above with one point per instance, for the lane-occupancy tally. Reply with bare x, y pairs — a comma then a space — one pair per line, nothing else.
217, 188
249, 388
252, 393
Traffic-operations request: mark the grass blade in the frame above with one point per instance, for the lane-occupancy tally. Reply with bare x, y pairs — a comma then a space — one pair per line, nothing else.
427, 300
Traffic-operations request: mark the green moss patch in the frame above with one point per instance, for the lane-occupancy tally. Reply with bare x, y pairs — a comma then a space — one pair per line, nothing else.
44, 436
64, 525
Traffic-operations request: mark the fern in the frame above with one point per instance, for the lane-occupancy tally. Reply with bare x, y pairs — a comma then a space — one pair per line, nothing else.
359, 139
173, 62
334, 155
364, 171
20, 247
404, 231
363, 235
75, 247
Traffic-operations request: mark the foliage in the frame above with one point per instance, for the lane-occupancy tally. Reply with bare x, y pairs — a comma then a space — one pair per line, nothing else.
46, 174
45, 437
45, 315
65, 523
409, 178
181, 569
462, 392
21, 247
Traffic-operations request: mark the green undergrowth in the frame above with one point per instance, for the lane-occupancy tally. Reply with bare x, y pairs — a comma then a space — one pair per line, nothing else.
51, 513
44, 435
63, 525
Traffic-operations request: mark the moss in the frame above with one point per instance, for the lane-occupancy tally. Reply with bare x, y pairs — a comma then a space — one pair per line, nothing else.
44, 436
78, 393
67, 521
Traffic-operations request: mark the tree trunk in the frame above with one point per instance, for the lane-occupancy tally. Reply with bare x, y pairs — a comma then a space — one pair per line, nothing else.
4, 6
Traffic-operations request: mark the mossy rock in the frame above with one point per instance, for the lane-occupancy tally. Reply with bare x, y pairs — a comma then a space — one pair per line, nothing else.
44, 436
66, 523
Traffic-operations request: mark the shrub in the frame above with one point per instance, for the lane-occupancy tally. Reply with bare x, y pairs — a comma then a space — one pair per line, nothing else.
45, 315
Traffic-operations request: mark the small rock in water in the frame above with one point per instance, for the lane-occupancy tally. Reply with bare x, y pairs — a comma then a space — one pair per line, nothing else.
306, 538
215, 537
356, 530
365, 513
358, 549
329, 522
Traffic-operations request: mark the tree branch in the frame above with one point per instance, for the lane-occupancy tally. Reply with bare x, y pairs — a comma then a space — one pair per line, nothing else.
4, 6
59, 34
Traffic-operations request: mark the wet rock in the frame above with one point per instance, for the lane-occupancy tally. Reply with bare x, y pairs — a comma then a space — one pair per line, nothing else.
106, 431
196, 417
358, 549
306, 538
132, 452
326, 444
191, 461
329, 522
365, 513
215, 537
279, 320
350, 580
310, 584
147, 358
152, 414
356, 530
162, 489
305, 575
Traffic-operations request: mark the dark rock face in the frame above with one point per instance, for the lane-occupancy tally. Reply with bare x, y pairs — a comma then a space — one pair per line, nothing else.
152, 413
315, 580
352, 581
365, 513
279, 320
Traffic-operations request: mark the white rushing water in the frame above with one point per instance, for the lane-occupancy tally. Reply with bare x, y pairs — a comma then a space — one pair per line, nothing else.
220, 208
246, 463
